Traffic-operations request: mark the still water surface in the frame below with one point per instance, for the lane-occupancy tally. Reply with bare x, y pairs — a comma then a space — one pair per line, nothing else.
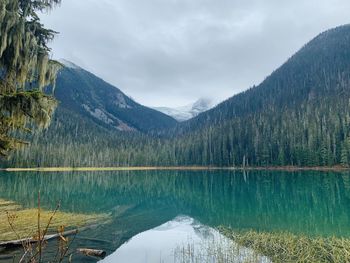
139, 202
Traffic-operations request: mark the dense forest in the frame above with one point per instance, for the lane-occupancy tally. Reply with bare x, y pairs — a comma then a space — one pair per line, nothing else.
300, 115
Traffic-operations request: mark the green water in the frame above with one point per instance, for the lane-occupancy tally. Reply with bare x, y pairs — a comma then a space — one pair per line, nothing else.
312, 203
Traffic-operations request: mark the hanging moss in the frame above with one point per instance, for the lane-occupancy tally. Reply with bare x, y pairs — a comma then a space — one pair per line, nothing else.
25, 69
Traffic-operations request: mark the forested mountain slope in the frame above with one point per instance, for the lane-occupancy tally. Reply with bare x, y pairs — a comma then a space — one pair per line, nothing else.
300, 115
75, 141
319, 70
89, 96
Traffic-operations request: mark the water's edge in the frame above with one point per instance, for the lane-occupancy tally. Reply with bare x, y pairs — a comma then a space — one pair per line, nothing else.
181, 168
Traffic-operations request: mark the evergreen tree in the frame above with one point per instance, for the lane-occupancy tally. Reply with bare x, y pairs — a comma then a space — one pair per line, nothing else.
25, 69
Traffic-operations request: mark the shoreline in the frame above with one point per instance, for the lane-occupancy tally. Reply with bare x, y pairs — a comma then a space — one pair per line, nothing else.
181, 168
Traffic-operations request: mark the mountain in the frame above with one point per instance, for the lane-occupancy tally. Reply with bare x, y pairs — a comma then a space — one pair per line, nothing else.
95, 124
189, 111
299, 115
83, 93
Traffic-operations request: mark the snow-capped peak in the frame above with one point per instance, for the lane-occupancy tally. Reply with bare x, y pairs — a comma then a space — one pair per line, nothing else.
189, 111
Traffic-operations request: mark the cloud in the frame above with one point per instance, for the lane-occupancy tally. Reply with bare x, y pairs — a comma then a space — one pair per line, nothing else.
171, 52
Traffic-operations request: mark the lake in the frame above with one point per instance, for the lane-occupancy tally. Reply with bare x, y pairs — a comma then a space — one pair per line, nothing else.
150, 209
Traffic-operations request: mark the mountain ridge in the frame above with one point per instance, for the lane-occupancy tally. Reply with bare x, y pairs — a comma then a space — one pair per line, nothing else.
266, 83
299, 115
82, 92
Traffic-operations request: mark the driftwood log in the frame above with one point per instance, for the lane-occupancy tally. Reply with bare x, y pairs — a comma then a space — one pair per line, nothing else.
19, 242
92, 252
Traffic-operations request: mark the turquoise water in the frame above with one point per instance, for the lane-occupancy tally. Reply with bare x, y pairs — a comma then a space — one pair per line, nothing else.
312, 203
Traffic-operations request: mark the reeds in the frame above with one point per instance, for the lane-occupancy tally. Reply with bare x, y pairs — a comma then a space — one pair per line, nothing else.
288, 247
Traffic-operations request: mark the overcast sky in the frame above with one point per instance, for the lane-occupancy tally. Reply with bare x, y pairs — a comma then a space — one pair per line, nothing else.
172, 52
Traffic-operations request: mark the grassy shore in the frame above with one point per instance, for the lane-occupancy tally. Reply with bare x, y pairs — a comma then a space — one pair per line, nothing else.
170, 168
24, 220
288, 247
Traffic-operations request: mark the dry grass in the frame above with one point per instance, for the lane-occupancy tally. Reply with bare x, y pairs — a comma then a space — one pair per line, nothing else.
25, 220
287, 247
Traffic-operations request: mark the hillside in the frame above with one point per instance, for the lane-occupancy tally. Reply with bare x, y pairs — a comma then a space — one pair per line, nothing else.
299, 115
85, 94
319, 70
94, 124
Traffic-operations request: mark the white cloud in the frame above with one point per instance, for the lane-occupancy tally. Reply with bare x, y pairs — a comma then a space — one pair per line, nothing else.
171, 52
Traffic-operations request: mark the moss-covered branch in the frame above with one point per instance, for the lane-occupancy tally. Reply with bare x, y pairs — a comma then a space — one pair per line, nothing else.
25, 69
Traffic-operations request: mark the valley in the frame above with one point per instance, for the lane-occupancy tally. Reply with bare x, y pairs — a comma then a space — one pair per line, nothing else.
299, 116
122, 152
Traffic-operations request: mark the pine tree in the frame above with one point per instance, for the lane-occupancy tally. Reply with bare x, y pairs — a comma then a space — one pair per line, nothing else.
344, 157
344, 154
25, 69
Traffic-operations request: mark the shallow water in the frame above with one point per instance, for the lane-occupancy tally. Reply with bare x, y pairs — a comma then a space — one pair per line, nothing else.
312, 203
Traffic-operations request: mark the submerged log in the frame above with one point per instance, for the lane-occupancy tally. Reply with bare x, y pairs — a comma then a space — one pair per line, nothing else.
19, 242
92, 252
